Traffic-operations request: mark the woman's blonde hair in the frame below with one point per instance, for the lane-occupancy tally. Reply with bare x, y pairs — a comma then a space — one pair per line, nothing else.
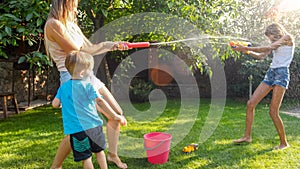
63, 10
77, 61
277, 30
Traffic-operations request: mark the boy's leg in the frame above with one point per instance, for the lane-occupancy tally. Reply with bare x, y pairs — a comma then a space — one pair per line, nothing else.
63, 150
87, 163
101, 160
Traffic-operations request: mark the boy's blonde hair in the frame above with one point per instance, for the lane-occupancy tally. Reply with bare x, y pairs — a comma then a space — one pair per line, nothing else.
277, 30
77, 61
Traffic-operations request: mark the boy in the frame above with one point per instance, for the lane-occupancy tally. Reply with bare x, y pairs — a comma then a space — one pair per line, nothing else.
80, 117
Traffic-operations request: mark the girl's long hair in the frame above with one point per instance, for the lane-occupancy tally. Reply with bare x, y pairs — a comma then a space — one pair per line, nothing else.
277, 30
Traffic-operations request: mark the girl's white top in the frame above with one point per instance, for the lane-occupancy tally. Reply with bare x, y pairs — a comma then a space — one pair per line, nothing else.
282, 56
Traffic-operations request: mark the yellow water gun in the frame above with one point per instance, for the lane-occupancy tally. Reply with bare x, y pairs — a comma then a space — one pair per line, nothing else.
234, 44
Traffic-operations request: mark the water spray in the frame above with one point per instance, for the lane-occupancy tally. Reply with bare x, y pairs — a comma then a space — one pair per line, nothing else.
148, 44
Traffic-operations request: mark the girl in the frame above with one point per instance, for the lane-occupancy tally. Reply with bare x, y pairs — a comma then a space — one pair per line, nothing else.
276, 79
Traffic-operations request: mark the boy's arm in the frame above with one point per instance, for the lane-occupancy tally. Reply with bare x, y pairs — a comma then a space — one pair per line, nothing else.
56, 103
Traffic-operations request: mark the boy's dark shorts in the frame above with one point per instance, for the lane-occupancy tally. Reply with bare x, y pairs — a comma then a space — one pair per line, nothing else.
277, 76
87, 142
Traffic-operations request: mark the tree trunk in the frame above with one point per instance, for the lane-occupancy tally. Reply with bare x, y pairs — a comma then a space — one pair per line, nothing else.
103, 69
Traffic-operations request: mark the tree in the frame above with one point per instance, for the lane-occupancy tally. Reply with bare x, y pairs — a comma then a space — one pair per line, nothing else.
21, 31
207, 16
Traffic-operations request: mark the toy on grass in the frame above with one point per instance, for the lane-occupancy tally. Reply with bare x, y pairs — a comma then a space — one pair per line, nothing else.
190, 148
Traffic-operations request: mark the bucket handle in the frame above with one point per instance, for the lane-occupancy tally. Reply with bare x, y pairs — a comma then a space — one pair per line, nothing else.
154, 147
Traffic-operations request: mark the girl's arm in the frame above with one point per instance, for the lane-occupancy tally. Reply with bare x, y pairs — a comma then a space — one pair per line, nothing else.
285, 40
260, 56
256, 52
262, 51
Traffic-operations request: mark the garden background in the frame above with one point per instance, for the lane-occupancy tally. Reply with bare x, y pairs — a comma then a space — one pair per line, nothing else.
27, 71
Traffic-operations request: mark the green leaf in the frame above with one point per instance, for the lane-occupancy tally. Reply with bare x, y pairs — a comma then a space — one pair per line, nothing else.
8, 30
30, 43
104, 12
39, 22
21, 59
29, 16
13, 17
20, 29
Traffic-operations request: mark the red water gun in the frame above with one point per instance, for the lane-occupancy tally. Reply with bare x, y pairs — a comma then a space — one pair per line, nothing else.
136, 44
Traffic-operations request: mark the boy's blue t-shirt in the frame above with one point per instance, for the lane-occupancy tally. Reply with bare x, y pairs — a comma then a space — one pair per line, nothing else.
79, 111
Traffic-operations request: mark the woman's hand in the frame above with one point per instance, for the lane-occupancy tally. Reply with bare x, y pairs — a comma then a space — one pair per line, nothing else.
120, 46
122, 119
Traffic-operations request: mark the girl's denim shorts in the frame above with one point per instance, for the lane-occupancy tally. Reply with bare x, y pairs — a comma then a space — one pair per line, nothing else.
277, 76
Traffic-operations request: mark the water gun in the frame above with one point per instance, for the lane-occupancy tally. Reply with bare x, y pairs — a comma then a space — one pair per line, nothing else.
137, 44
234, 44
190, 148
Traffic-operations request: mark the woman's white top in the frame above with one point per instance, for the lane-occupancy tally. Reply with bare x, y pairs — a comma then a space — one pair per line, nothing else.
56, 52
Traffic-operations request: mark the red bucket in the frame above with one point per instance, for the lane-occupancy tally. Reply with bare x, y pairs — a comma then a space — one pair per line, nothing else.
157, 146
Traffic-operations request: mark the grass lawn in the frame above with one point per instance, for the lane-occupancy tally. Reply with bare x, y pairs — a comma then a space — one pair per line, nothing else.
30, 140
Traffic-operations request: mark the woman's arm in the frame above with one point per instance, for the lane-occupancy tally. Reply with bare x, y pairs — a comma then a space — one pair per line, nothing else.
105, 107
99, 48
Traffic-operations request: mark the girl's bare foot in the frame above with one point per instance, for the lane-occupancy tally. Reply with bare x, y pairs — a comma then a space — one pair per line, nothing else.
113, 158
282, 147
243, 140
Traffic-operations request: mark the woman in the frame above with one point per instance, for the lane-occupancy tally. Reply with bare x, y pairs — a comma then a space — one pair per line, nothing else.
276, 79
63, 35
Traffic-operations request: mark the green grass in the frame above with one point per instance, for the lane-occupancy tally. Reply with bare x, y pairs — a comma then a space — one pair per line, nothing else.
30, 140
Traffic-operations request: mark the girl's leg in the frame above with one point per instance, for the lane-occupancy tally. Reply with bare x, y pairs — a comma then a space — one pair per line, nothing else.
63, 150
101, 160
278, 93
112, 129
260, 92
88, 164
